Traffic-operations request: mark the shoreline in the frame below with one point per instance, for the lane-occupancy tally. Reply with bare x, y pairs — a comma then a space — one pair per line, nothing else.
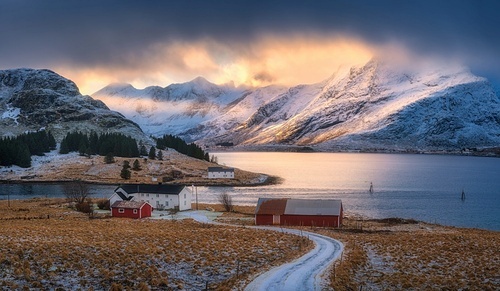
270, 180
493, 152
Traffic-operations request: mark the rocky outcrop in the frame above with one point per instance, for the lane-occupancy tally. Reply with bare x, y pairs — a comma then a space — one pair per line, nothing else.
33, 99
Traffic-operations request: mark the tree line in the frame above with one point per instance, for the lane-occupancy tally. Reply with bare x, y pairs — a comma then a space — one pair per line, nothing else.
116, 144
18, 150
174, 142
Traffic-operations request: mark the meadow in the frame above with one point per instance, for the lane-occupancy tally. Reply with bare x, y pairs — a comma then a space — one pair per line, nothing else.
47, 246
410, 255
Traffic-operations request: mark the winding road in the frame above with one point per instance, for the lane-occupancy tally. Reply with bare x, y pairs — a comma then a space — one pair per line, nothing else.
303, 273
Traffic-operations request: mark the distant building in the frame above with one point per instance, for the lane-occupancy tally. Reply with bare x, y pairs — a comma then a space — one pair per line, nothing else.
299, 212
131, 209
160, 196
220, 173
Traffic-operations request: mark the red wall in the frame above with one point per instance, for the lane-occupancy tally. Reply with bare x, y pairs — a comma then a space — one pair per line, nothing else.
264, 219
310, 220
129, 213
300, 220
147, 210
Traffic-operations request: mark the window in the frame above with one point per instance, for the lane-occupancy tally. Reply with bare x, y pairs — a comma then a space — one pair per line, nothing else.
184, 195
135, 211
147, 195
121, 210
184, 202
157, 195
142, 194
166, 203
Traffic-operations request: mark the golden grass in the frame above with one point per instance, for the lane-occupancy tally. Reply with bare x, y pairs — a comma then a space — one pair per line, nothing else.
45, 245
416, 256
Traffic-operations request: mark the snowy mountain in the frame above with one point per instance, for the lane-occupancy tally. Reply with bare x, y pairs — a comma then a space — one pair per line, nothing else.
34, 99
374, 107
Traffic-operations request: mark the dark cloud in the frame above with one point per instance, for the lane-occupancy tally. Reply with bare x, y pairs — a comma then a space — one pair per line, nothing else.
263, 76
39, 33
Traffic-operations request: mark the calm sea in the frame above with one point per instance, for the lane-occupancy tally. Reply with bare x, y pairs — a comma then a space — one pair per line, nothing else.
422, 187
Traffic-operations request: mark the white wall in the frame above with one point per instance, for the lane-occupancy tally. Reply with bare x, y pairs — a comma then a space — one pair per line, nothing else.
167, 201
221, 175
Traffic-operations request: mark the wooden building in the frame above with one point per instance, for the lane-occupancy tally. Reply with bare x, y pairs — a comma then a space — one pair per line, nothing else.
299, 212
220, 173
160, 196
131, 209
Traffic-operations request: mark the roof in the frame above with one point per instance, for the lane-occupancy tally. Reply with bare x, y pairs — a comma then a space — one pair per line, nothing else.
271, 206
220, 169
313, 207
129, 204
298, 206
152, 188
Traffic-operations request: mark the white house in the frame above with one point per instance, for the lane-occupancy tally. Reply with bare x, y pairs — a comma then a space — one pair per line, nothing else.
160, 196
220, 173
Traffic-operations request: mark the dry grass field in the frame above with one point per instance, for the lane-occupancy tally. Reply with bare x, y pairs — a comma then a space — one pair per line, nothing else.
397, 255
44, 245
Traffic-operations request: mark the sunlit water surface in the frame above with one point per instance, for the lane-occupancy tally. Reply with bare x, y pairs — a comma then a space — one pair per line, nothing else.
423, 187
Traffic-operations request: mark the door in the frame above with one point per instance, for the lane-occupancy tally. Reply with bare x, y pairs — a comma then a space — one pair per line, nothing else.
276, 219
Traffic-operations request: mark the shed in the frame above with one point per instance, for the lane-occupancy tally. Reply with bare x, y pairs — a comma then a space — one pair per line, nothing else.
131, 209
301, 212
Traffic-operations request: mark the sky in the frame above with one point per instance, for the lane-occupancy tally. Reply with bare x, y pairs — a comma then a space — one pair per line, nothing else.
252, 43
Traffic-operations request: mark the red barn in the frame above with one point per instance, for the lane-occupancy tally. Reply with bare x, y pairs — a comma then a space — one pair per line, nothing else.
301, 212
131, 209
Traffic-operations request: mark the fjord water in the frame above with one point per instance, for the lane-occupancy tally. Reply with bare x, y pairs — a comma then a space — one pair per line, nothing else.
422, 187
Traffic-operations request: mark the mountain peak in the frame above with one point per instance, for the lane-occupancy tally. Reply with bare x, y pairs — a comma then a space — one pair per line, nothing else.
25, 79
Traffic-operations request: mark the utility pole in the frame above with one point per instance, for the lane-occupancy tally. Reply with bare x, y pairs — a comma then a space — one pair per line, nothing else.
8, 193
196, 189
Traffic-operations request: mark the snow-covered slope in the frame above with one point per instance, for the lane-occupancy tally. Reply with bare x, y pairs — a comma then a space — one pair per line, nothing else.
34, 99
377, 106
174, 109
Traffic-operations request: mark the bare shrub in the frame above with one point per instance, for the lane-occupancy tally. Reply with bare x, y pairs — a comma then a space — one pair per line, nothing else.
76, 191
103, 204
226, 201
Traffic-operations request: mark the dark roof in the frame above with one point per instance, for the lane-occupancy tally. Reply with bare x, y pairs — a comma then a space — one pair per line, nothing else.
220, 169
151, 188
271, 206
276, 206
129, 204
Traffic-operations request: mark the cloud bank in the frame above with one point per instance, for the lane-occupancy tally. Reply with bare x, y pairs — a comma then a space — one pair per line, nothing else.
257, 42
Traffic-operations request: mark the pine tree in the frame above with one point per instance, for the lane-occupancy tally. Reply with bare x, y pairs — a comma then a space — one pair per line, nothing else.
109, 158
160, 155
137, 165
125, 172
152, 153
143, 151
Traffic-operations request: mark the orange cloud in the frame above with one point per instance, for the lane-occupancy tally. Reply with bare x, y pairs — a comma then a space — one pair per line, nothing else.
282, 60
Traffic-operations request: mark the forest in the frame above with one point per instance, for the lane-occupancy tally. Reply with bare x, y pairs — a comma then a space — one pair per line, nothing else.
18, 150
178, 144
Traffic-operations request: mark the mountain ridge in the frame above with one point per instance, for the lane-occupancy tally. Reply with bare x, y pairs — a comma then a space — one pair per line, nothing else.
32, 99
375, 106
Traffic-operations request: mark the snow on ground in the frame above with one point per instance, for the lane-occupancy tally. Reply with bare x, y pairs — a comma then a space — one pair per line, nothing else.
304, 273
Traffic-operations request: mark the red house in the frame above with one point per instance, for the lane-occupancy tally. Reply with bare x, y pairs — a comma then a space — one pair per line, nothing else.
131, 209
299, 212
